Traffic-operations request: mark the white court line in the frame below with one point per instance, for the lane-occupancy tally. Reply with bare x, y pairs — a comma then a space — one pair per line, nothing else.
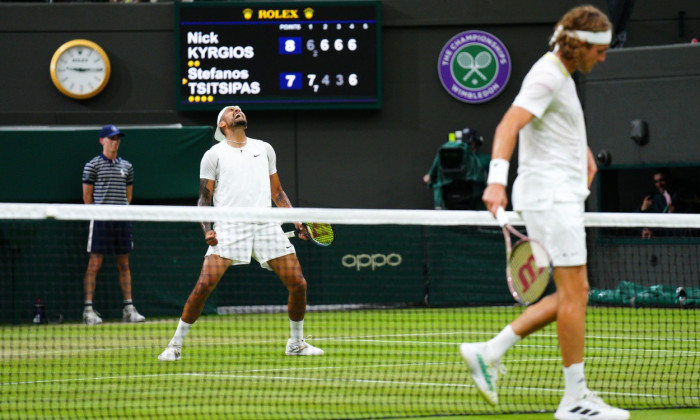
248, 374
431, 343
310, 379
413, 383
489, 334
314, 368
374, 339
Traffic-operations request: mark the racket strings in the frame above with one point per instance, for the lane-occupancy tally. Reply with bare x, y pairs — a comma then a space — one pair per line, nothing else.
528, 279
321, 232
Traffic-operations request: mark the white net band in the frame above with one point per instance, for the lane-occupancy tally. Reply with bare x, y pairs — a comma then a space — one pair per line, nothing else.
20, 211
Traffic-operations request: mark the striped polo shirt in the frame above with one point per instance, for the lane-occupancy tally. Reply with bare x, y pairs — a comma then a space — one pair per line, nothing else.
110, 178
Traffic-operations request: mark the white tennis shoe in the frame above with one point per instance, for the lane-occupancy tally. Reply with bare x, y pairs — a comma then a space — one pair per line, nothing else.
589, 407
301, 348
90, 317
484, 374
170, 354
130, 314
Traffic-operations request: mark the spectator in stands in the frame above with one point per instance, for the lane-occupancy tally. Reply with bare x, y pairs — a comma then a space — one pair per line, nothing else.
555, 171
109, 179
458, 174
665, 199
242, 172
660, 200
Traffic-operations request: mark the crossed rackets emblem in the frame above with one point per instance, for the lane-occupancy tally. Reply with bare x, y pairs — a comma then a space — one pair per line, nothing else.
474, 65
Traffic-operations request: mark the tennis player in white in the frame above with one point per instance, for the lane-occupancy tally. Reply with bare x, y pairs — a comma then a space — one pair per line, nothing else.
242, 172
555, 171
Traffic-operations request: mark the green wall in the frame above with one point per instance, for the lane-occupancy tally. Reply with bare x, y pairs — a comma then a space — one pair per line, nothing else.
47, 165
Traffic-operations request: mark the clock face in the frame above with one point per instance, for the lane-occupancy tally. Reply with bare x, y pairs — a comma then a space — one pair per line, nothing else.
80, 69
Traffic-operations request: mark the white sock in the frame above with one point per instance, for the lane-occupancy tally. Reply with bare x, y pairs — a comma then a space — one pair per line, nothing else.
574, 381
296, 329
182, 329
498, 345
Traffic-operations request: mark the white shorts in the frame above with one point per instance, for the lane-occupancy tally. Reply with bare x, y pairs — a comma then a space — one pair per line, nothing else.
561, 230
241, 241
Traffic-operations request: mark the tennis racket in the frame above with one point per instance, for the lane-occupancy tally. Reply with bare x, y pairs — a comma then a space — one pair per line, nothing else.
528, 265
322, 234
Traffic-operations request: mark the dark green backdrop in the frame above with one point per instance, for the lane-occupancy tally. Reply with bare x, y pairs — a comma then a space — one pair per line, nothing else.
47, 165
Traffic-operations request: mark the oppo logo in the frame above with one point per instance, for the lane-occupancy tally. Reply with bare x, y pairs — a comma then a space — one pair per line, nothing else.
361, 261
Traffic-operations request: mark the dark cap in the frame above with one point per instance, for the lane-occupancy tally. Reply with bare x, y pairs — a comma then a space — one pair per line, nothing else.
110, 130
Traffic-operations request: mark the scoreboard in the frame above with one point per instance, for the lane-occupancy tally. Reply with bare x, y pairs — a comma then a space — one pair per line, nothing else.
278, 55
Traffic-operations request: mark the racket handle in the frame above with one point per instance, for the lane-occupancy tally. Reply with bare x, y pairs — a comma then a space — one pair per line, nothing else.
501, 216
291, 234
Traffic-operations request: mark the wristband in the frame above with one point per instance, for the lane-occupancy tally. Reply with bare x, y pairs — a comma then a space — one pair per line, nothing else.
498, 172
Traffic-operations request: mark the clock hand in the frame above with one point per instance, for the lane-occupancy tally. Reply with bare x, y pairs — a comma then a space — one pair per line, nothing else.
82, 69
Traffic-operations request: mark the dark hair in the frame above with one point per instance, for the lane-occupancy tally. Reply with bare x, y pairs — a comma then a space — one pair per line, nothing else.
662, 171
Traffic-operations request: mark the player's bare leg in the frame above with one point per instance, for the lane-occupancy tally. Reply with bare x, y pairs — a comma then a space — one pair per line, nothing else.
288, 270
537, 316
484, 358
572, 288
568, 307
213, 269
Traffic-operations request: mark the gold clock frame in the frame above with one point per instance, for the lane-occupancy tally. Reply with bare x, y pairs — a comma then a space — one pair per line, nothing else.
83, 43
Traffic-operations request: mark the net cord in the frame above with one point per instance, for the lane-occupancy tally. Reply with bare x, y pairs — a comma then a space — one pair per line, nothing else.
33, 211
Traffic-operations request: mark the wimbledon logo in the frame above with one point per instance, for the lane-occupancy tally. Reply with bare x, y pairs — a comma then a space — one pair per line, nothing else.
474, 66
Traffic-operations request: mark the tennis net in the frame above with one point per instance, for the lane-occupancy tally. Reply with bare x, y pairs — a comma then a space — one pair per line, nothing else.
389, 302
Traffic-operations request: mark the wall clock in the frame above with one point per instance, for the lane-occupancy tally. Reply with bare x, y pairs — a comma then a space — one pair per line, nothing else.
80, 69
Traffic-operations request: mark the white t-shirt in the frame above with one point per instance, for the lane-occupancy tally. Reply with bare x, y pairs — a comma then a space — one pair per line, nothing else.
242, 175
553, 151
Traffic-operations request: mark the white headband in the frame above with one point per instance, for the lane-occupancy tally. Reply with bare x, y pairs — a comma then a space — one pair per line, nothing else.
602, 37
218, 134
